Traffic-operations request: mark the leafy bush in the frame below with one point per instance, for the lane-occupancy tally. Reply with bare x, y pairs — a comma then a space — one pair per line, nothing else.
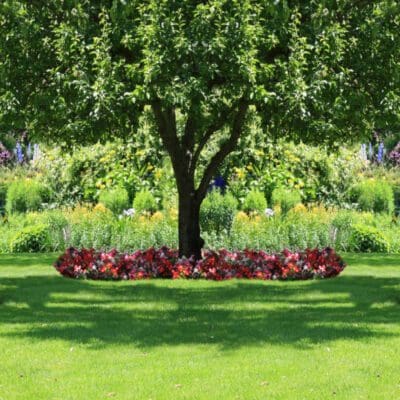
300, 228
217, 212
285, 198
3, 196
81, 175
145, 202
254, 202
373, 195
318, 173
25, 195
368, 239
396, 195
30, 239
342, 227
116, 199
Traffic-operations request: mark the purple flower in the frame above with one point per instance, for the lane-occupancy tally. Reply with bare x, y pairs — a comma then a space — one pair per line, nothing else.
5, 155
381, 153
219, 183
19, 153
394, 155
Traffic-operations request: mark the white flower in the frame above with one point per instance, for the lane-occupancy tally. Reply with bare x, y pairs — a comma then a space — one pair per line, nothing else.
269, 212
130, 212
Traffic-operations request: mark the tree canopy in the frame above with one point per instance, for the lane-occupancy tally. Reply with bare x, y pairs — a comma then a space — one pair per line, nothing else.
79, 71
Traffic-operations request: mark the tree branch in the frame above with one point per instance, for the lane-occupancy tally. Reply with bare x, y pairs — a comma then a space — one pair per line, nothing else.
214, 127
188, 139
226, 148
166, 123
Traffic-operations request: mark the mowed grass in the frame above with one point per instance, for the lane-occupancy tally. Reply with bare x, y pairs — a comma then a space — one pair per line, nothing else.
74, 339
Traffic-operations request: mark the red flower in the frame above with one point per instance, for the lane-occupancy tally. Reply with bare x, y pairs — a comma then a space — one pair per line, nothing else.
164, 263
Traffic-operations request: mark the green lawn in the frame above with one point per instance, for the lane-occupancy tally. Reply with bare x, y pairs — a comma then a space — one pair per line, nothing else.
71, 339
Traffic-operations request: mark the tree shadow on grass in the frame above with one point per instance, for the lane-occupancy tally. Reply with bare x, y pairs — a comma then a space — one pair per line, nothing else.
230, 315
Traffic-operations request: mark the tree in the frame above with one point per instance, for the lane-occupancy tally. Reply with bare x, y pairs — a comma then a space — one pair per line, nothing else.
77, 71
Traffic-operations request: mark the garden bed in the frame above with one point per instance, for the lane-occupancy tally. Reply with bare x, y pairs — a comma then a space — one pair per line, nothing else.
221, 265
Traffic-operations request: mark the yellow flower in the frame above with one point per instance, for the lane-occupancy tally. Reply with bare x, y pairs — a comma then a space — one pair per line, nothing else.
157, 216
242, 217
173, 213
299, 208
100, 208
158, 173
143, 218
240, 173
277, 209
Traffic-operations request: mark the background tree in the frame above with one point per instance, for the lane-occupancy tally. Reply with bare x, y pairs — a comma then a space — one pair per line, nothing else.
82, 71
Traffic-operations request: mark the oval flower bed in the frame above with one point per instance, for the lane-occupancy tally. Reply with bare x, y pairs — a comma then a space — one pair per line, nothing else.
165, 263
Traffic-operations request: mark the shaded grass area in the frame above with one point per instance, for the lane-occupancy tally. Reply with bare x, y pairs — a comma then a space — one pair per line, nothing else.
73, 339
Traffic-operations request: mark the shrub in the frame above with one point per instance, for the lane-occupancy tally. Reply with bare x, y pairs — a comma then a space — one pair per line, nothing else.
396, 194
145, 202
217, 212
373, 195
116, 199
25, 195
254, 202
285, 198
57, 226
3, 196
30, 239
221, 265
368, 239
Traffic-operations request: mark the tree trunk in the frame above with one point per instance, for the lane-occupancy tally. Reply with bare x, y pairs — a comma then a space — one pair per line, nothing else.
190, 241
184, 163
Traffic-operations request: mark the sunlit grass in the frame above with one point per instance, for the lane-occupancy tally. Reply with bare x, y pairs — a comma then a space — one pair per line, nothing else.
73, 339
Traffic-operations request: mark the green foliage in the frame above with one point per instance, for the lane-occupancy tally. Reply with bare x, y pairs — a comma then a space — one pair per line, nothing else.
396, 196
83, 174
31, 239
367, 239
318, 173
145, 202
3, 196
116, 199
184, 51
217, 212
25, 195
199, 73
7, 176
301, 228
254, 202
374, 195
285, 198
